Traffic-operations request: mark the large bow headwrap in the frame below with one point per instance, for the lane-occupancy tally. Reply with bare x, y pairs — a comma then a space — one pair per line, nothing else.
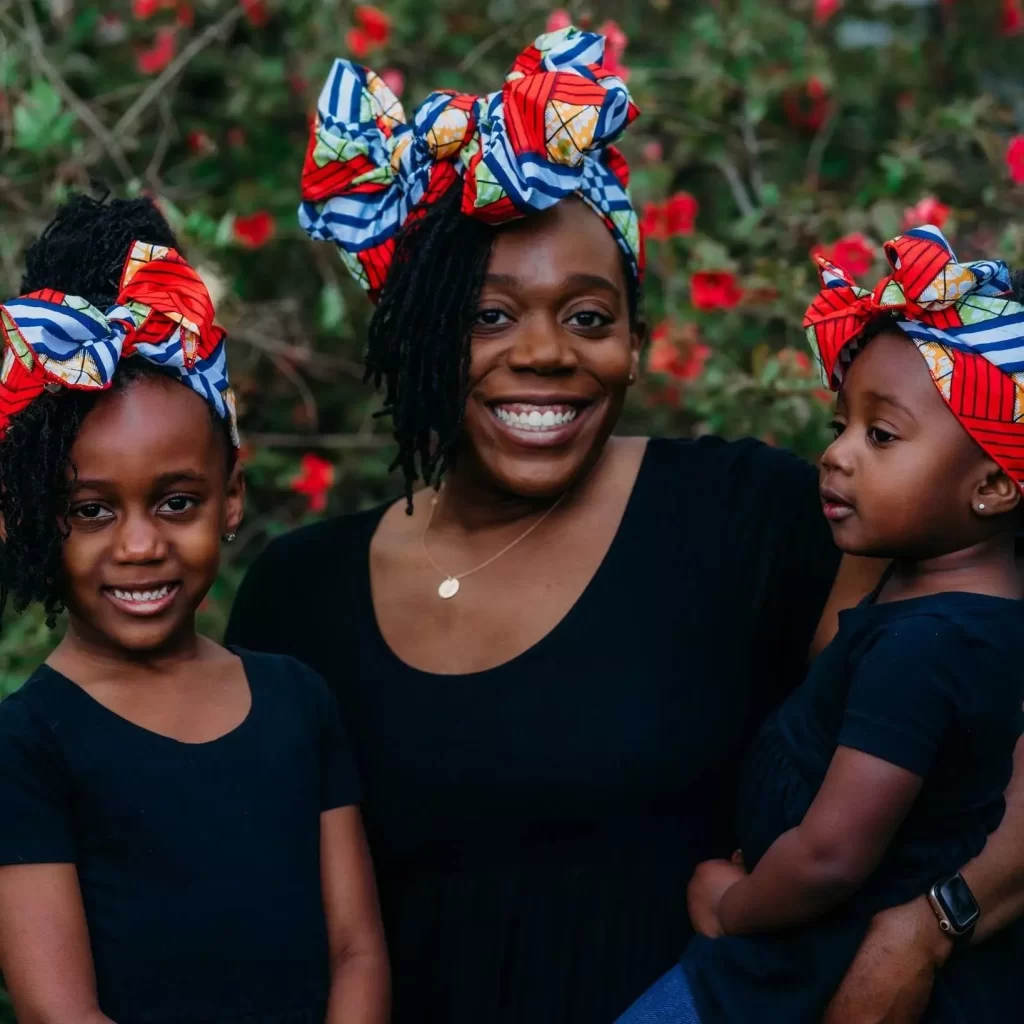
963, 322
546, 135
163, 314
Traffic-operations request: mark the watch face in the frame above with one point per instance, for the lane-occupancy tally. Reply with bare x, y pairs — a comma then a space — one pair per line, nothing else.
957, 902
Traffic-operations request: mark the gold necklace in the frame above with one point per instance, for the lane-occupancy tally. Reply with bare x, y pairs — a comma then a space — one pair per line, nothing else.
450, 585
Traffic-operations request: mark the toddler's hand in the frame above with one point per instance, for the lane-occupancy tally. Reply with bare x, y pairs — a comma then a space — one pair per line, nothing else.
705, 891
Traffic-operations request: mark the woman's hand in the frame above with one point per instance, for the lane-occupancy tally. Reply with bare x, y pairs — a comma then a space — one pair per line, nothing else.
890, 980
705, 891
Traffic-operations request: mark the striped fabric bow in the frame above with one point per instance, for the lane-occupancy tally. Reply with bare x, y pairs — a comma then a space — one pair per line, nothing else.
163, 314
546, 135
961, 317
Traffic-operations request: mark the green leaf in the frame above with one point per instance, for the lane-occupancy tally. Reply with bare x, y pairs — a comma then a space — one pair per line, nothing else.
39, 124
332, 307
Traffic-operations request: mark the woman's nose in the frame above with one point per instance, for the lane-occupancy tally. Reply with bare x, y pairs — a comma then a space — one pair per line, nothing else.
543, 347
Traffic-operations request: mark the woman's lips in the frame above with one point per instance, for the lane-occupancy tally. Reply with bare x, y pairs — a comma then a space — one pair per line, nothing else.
143, 602
537, 424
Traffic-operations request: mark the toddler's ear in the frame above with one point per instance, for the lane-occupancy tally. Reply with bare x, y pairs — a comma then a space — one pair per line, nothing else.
996, 494
234, 506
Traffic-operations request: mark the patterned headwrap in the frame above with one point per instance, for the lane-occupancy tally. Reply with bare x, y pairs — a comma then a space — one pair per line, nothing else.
544, 136
963, 322
163, 314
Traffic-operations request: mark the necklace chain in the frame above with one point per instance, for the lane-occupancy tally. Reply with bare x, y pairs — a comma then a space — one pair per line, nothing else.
450, 584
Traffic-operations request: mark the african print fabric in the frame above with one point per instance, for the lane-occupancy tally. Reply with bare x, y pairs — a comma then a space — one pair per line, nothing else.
163, 314
962, 320
546, 135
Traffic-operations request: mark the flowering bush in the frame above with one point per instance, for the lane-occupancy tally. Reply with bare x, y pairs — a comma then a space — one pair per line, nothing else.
769, 130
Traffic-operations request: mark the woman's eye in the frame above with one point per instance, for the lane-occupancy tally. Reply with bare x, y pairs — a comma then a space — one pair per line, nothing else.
492, 317
92, 511
588, 319
178, 504
879, 436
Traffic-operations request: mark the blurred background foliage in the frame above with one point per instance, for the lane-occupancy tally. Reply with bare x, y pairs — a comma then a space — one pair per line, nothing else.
768, 129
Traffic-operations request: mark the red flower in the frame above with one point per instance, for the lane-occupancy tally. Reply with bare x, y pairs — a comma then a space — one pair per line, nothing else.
315, 479
558, 19
200, 143
255, 230
358, 43
256, 12
143, 9
824, 9
653, 223
677, 352
680, 213
653, 151
928, 211
796, 361
808, 107
1015, 159
1012, 21
852, 253
375, 24
714, 289
160, 54
394, 80
186, 16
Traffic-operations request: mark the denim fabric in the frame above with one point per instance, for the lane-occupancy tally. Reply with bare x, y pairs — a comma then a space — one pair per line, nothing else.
667, 1001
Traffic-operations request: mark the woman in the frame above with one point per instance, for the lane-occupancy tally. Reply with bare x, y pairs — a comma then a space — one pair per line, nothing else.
550, 668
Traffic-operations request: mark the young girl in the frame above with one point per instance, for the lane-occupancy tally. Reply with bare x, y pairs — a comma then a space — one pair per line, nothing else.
885, 771
180, 839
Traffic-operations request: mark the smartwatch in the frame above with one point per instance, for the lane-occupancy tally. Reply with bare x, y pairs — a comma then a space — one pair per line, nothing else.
954, 906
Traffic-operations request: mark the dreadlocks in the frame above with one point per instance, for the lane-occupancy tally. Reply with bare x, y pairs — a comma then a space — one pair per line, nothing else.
419, 336
81, 252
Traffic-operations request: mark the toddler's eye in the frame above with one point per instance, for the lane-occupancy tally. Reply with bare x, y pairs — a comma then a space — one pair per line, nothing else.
178, 504
879, 436
836, 427
92, 511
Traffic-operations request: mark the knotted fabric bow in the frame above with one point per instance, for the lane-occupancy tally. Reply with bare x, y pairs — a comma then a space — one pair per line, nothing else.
544, 136
163, 314
962, 320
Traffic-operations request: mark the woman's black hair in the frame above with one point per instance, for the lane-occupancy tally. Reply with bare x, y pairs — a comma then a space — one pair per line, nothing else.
419, 337
81, 252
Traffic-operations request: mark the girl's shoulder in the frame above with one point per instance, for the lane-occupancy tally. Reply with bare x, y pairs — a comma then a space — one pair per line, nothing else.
36, 714
282, 677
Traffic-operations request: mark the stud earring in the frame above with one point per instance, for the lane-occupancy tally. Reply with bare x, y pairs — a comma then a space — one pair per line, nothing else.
632, 378
981, 508
228, 538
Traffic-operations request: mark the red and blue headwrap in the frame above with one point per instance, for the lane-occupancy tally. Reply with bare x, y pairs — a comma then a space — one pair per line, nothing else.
163, 314
546, 135
961, 317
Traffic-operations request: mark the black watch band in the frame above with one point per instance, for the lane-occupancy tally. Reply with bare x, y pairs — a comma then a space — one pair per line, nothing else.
955, 907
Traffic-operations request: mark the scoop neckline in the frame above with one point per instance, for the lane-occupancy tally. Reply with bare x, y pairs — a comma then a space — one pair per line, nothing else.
560, 626
244, 724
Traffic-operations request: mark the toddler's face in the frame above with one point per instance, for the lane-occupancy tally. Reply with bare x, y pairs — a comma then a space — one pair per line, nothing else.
901, 477
149, 504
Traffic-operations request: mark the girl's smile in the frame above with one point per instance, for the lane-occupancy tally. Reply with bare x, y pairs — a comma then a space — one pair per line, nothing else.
144, 599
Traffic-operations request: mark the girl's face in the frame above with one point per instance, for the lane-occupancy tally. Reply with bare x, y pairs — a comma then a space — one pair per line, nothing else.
151, 497
552, 353
903, 477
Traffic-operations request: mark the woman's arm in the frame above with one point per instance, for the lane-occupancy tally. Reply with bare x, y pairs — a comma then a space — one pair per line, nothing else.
814, 867
360, 980
890, 979
46, 960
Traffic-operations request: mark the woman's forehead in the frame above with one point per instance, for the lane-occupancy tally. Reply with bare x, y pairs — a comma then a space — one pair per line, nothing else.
569, 240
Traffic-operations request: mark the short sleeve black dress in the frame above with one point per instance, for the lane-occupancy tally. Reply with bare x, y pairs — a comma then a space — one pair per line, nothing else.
199, 863
534, 826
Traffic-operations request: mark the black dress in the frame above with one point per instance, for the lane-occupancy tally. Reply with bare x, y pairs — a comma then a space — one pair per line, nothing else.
534, 826
930, 686
199, 863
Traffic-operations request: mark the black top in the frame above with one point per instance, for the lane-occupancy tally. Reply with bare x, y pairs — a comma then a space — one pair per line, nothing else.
930, 685
534, 826
199, 863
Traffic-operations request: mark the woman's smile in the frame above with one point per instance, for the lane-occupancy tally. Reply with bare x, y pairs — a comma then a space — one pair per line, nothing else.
539, 422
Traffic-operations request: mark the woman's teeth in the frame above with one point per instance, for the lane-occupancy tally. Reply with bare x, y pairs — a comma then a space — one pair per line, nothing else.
535, 417
142, 596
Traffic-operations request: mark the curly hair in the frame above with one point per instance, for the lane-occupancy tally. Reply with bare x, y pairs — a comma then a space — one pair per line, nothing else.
419, 338
81, 252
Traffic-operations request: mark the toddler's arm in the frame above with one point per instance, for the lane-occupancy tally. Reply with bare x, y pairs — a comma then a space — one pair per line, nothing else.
44, 946
814, 867
360, 982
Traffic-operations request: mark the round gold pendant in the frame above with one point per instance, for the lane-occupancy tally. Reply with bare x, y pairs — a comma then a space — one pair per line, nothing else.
448, 588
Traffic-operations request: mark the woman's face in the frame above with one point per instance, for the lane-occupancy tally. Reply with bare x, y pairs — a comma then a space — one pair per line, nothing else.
553, 353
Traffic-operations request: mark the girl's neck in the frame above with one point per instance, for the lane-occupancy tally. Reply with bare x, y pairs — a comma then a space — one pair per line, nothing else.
84, 655
988, 567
